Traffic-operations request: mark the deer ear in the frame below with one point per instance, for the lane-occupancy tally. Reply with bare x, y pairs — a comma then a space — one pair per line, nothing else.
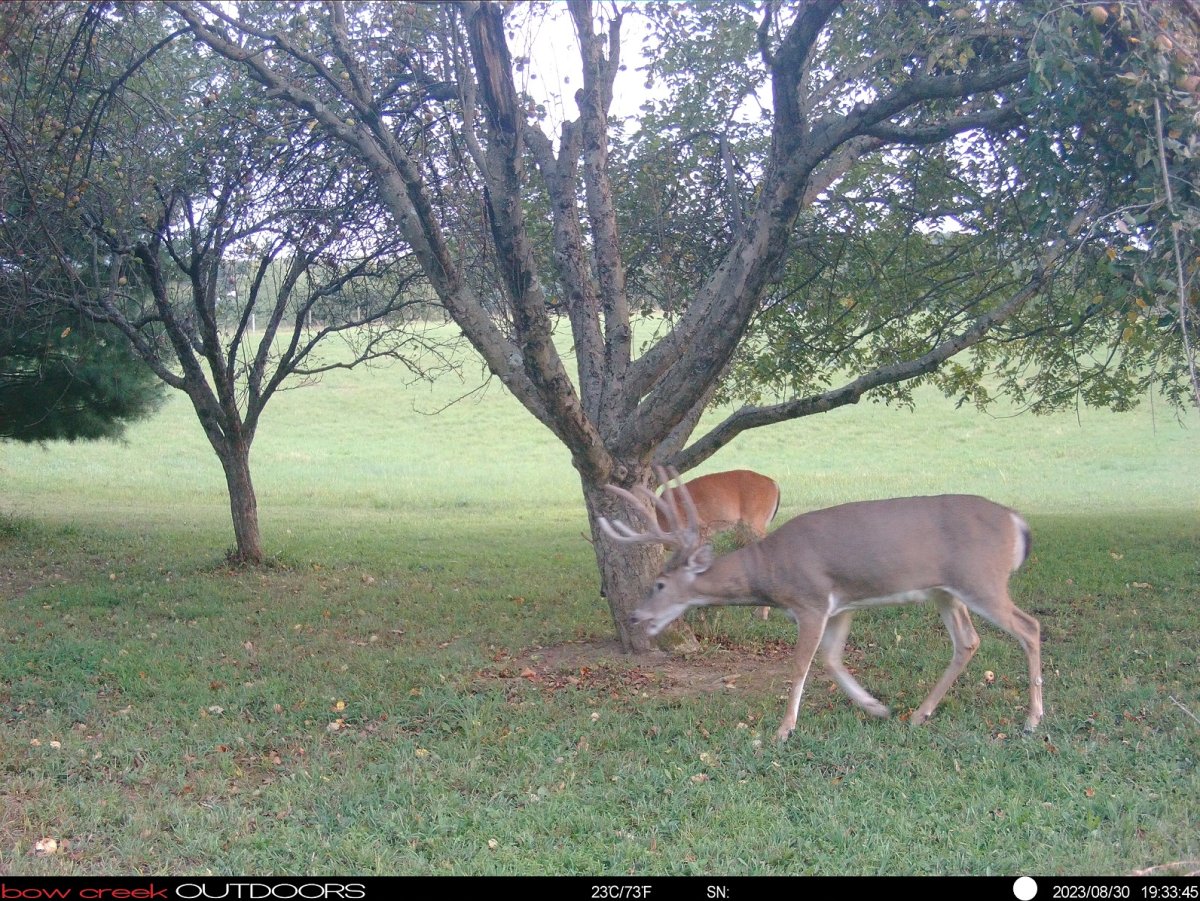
700, 559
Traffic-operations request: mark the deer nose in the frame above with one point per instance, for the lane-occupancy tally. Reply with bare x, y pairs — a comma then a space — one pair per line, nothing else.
636, 618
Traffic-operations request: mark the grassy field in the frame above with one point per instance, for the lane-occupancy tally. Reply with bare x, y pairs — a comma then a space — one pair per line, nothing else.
421, 681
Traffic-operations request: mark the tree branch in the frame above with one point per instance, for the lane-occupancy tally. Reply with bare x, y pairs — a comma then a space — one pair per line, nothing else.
405, 193
505, 173
999, 119
594, 100
754, 417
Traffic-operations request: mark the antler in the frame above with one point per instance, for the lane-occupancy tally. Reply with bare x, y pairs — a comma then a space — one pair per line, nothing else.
645, 502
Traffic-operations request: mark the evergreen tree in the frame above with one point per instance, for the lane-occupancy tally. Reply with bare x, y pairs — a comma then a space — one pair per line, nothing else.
64, 378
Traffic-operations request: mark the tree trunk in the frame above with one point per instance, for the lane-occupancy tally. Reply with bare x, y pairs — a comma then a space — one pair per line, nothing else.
626, 573
243, 504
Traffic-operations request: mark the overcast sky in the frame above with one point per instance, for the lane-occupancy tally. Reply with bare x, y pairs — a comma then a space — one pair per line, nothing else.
547, 38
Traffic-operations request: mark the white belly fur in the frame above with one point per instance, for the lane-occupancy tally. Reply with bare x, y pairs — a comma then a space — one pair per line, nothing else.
837, 605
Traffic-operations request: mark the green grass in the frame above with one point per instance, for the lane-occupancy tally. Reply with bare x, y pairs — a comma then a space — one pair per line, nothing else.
382, 698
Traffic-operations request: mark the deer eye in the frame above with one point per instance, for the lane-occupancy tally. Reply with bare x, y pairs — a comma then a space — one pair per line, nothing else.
660, 585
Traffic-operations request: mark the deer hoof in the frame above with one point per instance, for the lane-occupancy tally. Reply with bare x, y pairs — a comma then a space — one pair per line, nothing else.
877, 709
784, 733
920, 718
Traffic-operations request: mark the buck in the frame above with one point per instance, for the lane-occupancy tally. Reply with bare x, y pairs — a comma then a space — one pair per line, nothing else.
821, 567
726, 500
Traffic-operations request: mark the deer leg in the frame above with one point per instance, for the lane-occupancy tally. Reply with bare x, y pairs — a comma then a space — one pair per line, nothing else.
764, 612
833, 642
810, 626
966, 642
1030, 637
1028, 632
